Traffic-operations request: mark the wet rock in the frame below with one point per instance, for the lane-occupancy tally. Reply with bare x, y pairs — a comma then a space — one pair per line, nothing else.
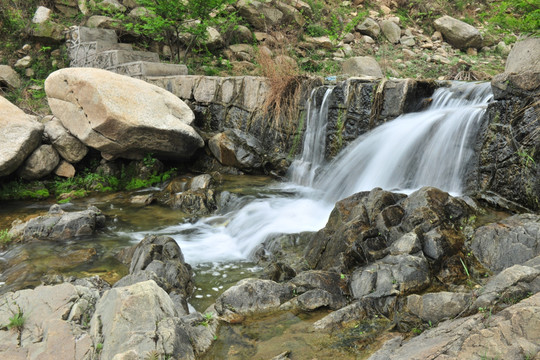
514, 282
60, 225
331, 282
510, 334
236, 148
198, 202
353, 312
20, 135
369, 27
250, 297
434, 307
52, 326
407, 244
126, 117
201, 182
9, 78
138, 318
159, 258
144, 200
458, 33
362, 65
40, 163
201, 329
391, 31
512, 241
315, 299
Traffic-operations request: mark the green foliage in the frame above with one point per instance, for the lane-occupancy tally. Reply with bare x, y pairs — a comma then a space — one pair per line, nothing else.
17, 320
514, 15
5, 237
207, 318
170, 20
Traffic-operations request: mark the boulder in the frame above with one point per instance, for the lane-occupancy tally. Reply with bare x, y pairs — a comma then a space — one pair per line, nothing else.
391, 31
53, 326
68, 146
121, 116
250, 297
240, 34
23, 62
291, 15
522, 84
362, 66
41, 15
194, 202
49, 32
59, 225
524, 56
159, 258
259, 14
213, 39
40, 163
321, 41
9, 77
138, 319
236, 148
512, 241
369, 27
435, 307
458, 33
65, 169
511, 334
20, 135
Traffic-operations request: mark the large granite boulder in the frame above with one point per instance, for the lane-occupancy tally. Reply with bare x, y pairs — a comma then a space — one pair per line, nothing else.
525, 55
20, 135
512, 241
369, 27
391, 31
259, 14
238, 149
362, 66
40, 163
458, 33
59, 225
121, 116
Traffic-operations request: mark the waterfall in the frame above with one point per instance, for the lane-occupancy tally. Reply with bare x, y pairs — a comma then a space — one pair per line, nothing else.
432, 147
304, 170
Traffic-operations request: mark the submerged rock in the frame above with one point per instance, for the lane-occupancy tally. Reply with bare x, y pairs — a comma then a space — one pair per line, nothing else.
59, 225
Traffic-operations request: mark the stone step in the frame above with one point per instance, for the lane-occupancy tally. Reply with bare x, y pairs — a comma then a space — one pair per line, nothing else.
144, 69
112, 58
84, 54
81, 34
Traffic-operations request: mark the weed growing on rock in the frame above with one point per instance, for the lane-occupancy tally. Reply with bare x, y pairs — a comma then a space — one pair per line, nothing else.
5, 237
17, 321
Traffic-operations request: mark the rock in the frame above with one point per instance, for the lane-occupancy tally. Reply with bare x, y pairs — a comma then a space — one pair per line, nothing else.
368, 39
353, 312
202, 330
40, 163
435, 307
291, 15
140, 11
52, 329
407, 244
65, 169
458, 33
99, 21
60, 225
313, 300
510, 334
19, 135
68, 146
408, 41
122, 116
213, 39
524, 56
240, 34
201, 182
9, 77
391, 31
503, 49
143, 200
362, 66
512, 241
49, 32
23, 62
140, 318
321, 41
259, 14
113, 5
236, 148
41, 15
159, 258
369, 27
250, 297
198, 202
331, 282
514, 282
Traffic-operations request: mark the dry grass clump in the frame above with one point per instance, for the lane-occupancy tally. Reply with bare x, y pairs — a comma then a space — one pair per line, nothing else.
284, 81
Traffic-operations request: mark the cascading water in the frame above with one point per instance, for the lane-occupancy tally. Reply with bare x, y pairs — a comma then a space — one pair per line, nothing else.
427, 148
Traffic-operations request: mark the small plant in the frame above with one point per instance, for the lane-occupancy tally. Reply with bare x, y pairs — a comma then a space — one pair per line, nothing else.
99, 347
207, 318
152, 355
5, 237
17, 320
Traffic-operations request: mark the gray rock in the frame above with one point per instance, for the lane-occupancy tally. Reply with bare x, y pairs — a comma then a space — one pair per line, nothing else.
408, 41
435, 307
121, 116
198, 202
60, 225
52, 329
85, 34
250, 297
369, 27
140, 318
522, 84
259, 14
512, 241
40, 163
49, 32
236, 148
23, 62
315, 299
511, 334
240, 35
68, 146
112, 4
20, 135
391, 31
99, 21
353, 312
525, 55
458, 33
407, 244
41, 15
362, 66
9, 77
201, 182
202, 330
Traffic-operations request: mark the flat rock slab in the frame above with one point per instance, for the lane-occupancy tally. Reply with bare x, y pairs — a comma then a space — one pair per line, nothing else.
121, 116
